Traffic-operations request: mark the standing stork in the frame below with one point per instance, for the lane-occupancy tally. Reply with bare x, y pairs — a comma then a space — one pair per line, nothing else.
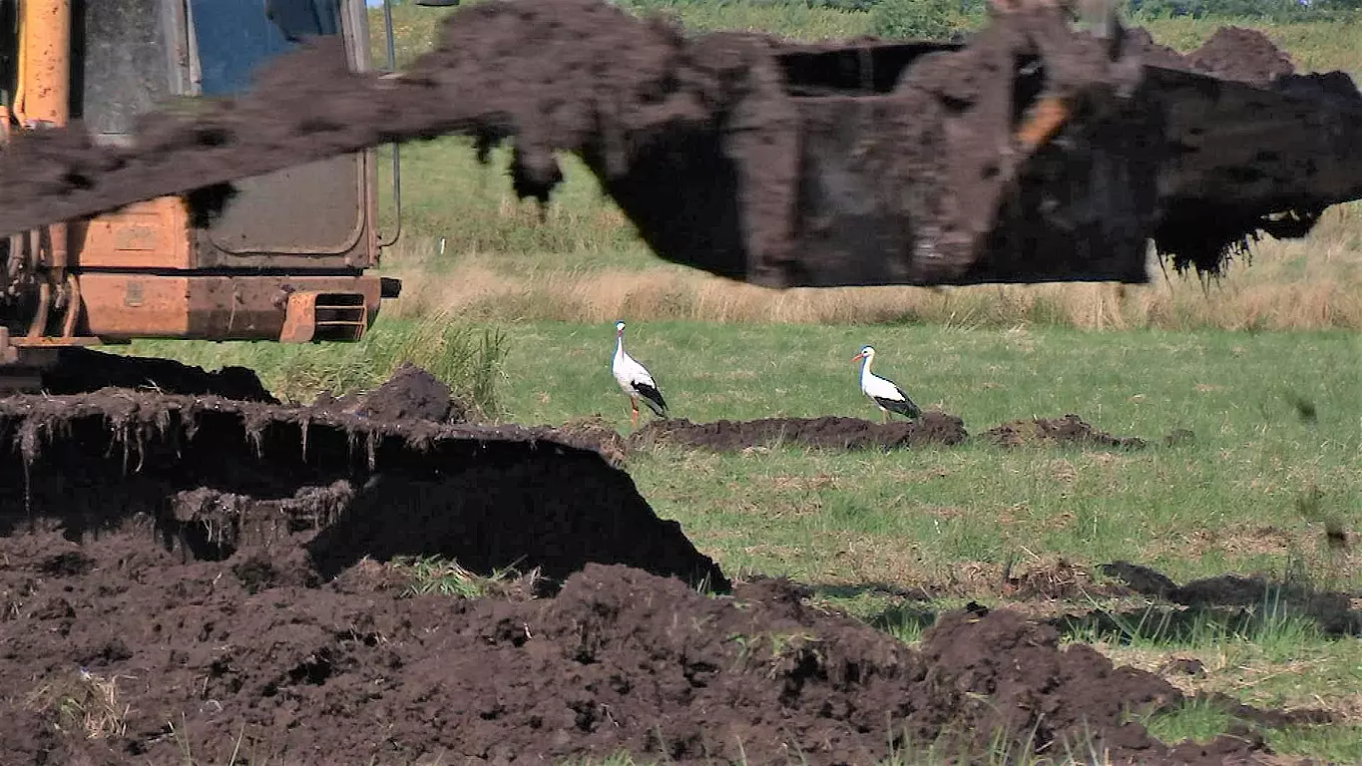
635, 380
886, 395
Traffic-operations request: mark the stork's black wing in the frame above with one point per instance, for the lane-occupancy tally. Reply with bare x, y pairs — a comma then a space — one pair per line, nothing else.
653, 397
904, 407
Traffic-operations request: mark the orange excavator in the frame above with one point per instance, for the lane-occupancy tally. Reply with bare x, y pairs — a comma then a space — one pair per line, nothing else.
290, 262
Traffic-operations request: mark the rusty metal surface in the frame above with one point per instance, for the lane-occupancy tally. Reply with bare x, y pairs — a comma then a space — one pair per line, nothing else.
144, 235
239, 307
313, 211
46, 29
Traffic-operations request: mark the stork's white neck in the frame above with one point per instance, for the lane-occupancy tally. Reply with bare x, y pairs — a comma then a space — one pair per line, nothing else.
619, 345
865, 368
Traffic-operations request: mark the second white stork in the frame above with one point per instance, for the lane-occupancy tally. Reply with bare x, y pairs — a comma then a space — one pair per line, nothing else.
635, 380
884, 393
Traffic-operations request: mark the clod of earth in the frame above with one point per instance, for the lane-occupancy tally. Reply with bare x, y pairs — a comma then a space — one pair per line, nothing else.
1069, 429
410, 394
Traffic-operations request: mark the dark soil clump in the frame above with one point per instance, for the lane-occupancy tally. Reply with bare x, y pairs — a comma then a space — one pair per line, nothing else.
1246, 55
280, 665
1069, 429
82, 370
411, 393
830, 432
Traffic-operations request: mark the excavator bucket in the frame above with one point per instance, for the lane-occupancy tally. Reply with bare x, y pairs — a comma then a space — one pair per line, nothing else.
1034, 152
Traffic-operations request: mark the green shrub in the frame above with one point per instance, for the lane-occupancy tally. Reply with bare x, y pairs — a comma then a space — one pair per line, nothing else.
918, 19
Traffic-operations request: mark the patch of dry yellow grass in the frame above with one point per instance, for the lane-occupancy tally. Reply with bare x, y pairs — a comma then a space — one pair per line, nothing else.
1309, 284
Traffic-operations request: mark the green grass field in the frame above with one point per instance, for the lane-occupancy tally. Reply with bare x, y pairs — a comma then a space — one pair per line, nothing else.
1265, 369
867, 527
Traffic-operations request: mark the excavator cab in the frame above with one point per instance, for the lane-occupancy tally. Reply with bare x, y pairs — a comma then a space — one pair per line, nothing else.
285, 261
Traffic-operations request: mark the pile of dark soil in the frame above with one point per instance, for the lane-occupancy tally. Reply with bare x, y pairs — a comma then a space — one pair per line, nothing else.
214, 475
82, 370
1246, 55
410, 394
829, 432
260, 655
1069, 429
832, 432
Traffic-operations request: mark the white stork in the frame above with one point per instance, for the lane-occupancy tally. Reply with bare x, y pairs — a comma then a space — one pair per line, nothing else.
886, 395
635, 380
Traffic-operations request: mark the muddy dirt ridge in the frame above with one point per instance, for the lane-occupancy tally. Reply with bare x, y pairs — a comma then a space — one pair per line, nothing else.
213, 475
583, 76
827, 432
357, 667
834, 432
1069, 429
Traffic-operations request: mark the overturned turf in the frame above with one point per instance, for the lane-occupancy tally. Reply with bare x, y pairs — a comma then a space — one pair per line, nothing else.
1069, 429
213, 475
831, 432
261, 656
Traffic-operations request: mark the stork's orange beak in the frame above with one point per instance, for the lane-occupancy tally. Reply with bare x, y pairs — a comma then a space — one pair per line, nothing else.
857, 357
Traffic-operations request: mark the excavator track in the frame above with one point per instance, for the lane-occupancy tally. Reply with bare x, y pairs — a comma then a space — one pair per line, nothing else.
209, 475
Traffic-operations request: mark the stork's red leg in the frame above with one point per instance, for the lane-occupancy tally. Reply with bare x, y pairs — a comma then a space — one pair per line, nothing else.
633, 404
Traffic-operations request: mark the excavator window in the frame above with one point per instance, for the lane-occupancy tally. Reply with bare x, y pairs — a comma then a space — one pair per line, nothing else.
125, 58
235, 37
9, 50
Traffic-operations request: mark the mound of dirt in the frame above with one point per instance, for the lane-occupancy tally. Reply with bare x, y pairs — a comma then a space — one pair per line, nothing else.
411, 393
214, 475
82, 370
1246, 55
1069, 429
830, 432
258, 654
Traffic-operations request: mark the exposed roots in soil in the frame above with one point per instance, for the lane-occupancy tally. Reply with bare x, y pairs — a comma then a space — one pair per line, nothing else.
215, 475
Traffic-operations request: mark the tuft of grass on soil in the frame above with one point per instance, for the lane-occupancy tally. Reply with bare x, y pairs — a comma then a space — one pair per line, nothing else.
437, 575
82, 703
467, 358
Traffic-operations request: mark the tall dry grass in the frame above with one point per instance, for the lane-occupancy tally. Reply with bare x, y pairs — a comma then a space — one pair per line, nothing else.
1309, 284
